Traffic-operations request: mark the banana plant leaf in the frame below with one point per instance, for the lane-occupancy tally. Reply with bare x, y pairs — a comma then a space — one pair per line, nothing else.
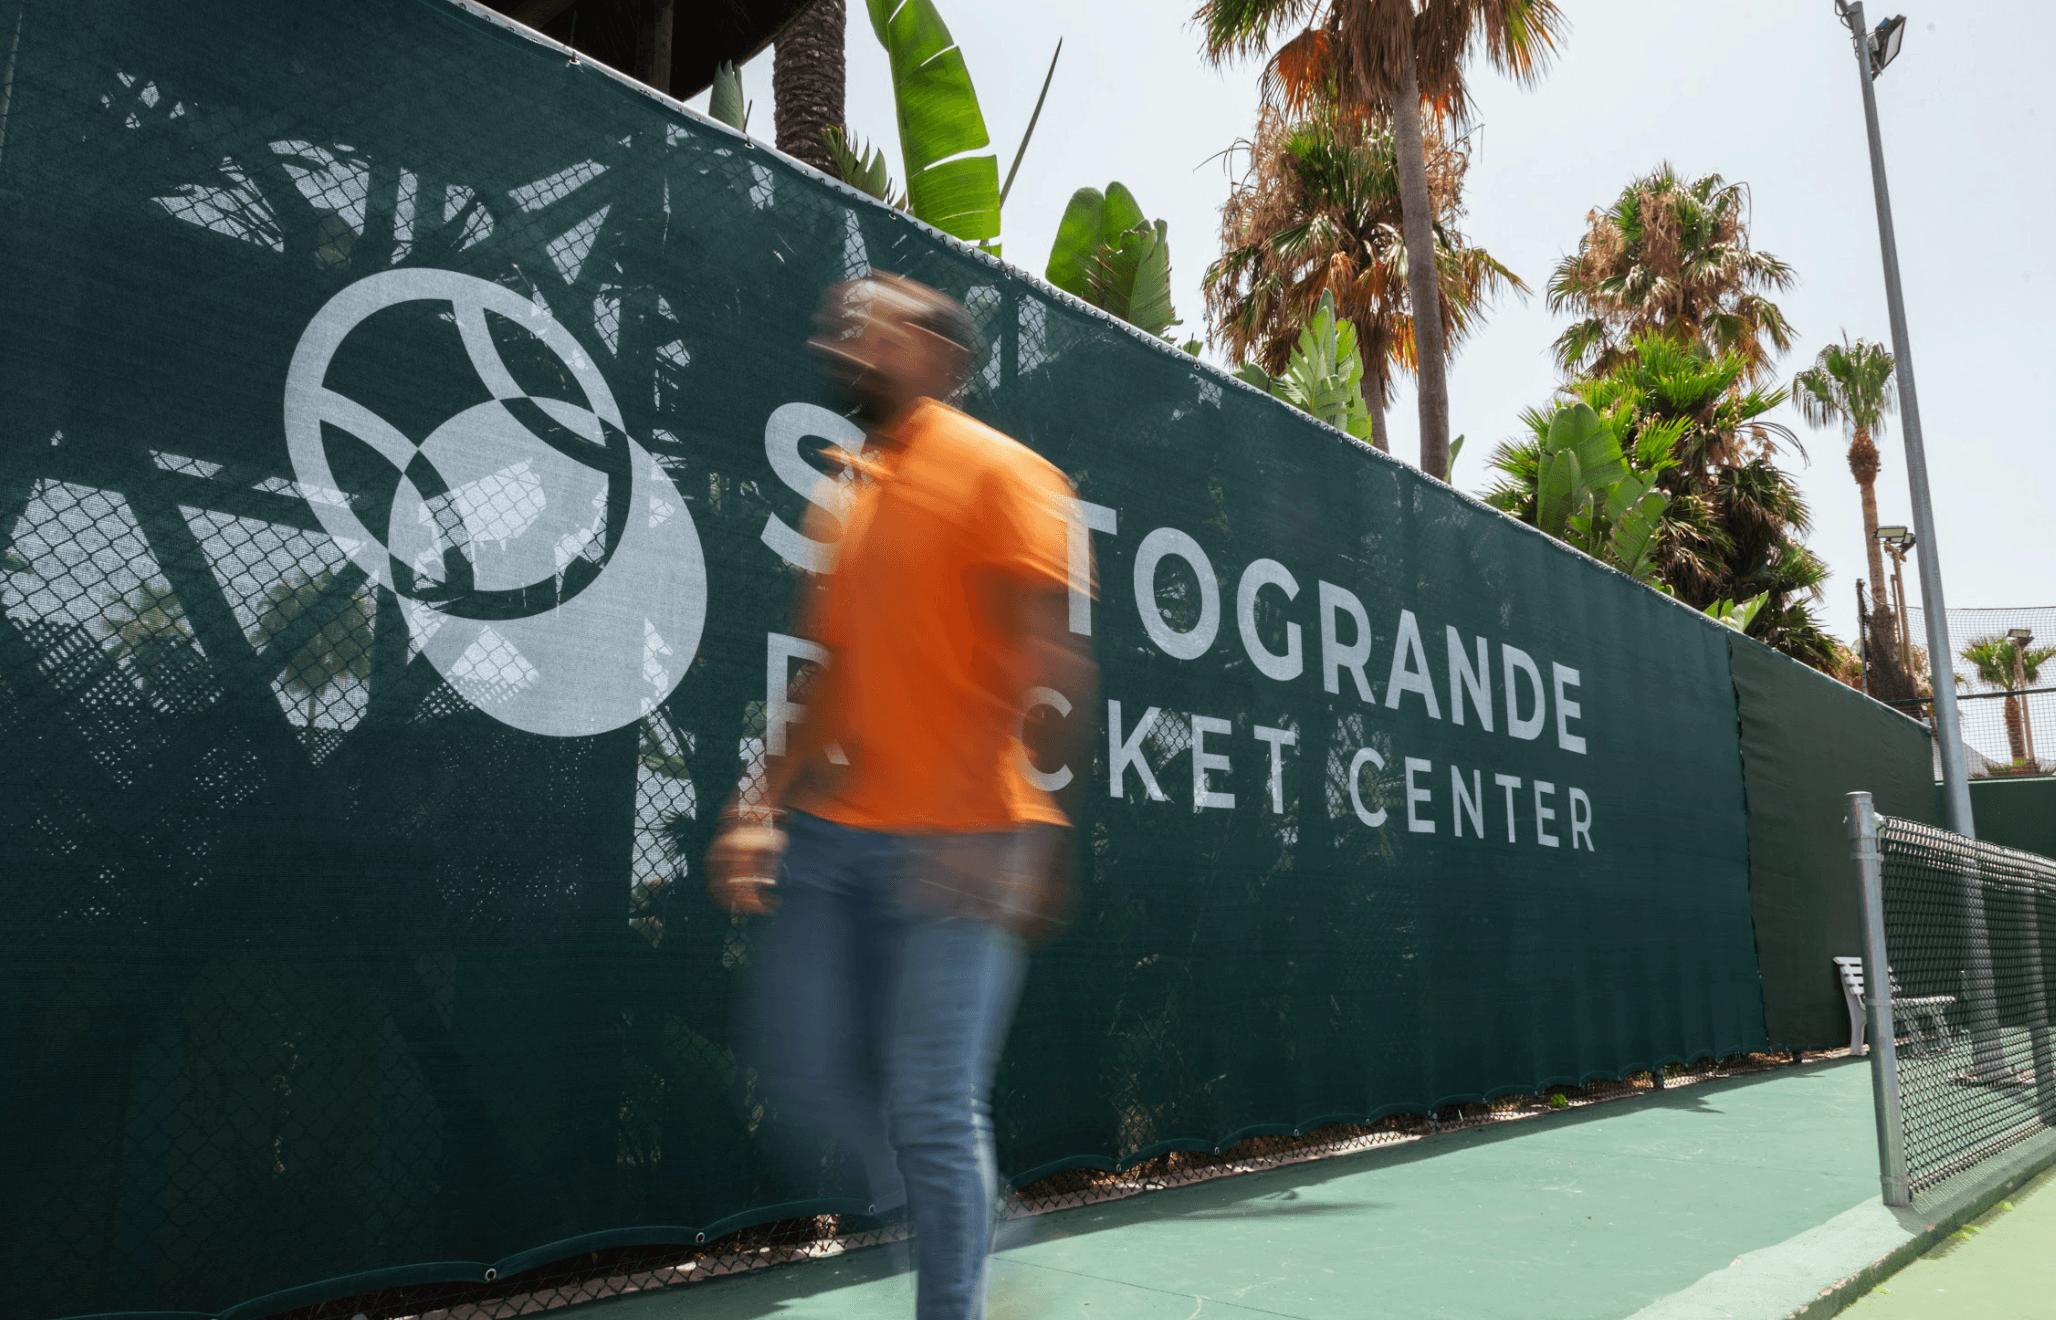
1325, 374
1251, 373
1080, 231
1592, 494
1110, 254
1093, 220
940, 122
1637, 511
1132, 278
1579, 430
1122, 212
1738, 617
725, 102
1557, 491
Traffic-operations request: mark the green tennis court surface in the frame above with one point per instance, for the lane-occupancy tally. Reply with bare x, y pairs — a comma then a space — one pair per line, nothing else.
2001, 1267
1599, 1213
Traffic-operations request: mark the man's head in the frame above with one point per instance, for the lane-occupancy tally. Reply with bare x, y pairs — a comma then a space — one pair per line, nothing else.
890, 340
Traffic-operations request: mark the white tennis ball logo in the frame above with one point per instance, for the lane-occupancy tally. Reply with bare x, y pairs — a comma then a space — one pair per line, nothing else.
545, 564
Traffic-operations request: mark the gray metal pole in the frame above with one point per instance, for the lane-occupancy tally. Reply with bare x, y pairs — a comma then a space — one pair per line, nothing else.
1877, 1001
1955, 772
1982, 990
2027, 897
1980, 979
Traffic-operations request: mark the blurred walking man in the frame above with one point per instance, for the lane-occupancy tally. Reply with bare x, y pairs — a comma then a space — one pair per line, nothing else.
912, 850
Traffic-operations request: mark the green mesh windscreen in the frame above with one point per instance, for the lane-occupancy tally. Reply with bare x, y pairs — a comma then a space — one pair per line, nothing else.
2016, 813
403, 431
1808, 742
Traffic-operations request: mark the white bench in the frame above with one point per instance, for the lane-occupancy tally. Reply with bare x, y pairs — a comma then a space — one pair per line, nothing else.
1923, 1011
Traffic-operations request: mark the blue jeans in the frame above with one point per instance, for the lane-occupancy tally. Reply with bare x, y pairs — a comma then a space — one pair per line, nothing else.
881, 1022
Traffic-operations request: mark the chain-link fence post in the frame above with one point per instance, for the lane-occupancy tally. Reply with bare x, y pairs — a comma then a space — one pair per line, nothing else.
1980, 983
1877, 1001
2026, 895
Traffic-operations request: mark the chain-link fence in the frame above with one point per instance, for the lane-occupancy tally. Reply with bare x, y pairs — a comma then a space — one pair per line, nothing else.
2003, 662
1969, 935
2004, 733
1972, 625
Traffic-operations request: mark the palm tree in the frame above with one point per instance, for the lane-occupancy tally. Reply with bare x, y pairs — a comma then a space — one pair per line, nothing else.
1849, 383
1671, 256
1387, 59
1318, 213
339, 648
2012, 669
807, 82
1734, 524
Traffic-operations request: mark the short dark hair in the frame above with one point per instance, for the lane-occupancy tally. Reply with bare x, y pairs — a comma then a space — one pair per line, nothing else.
928, 308
940, 314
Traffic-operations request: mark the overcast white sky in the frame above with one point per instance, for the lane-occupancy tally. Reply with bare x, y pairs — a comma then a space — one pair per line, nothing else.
1763, 91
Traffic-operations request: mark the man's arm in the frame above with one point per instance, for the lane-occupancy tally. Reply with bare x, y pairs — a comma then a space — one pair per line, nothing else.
743, 860
806, 743
1059, 659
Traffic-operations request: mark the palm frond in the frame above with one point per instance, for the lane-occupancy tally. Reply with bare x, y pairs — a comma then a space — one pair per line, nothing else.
1234, 29
1672, 254
1318, 212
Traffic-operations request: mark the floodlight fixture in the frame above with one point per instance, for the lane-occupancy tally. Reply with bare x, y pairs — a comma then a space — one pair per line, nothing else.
2020, 636
1885, 41
1899, 537
1881, 44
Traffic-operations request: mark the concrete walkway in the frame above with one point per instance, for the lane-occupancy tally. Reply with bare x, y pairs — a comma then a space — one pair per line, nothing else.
2002, 1266
1727, 1198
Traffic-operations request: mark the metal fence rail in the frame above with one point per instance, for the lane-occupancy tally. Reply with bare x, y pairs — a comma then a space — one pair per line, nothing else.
2005, 696
1971, 625
2004, 733
1959, 964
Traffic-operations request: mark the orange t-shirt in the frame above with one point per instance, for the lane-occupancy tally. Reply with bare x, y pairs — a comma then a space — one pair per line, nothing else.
926, 671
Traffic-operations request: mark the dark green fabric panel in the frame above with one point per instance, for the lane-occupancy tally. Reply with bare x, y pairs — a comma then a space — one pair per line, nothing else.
400, 424
2016, 813
1808, 742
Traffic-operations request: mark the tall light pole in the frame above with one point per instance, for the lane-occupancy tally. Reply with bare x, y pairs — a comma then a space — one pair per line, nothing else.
1874, 50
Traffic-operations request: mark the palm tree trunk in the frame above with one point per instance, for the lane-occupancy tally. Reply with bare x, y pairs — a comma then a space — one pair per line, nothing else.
2027, 727
653, 44
1374, 343
2016, 733
1423, 295
807, 81
1863, 459
663, 34
1889, 681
